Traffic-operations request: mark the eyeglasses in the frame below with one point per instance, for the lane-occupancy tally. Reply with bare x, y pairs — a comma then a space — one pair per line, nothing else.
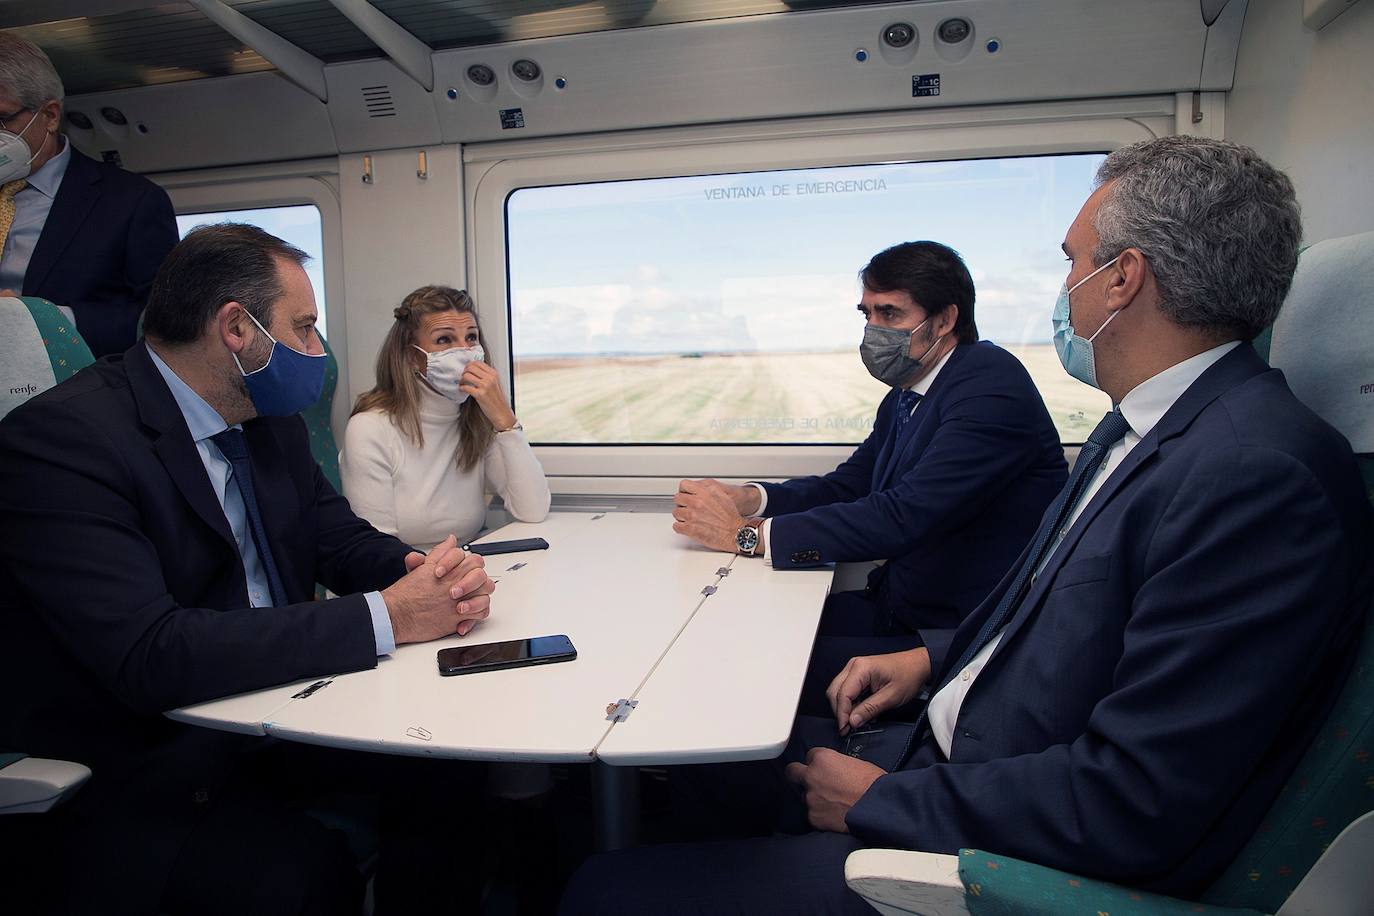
5, 119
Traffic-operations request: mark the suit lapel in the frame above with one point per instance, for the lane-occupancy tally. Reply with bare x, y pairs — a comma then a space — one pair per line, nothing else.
76, 195
897, 451
1231, 370
158, 410
885, 451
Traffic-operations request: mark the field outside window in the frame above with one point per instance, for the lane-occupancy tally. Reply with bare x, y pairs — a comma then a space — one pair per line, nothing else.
720, 309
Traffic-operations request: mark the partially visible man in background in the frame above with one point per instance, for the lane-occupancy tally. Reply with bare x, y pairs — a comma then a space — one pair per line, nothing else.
87, 236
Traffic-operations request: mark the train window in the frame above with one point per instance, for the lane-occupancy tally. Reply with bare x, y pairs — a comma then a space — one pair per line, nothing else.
719, 309
299, 225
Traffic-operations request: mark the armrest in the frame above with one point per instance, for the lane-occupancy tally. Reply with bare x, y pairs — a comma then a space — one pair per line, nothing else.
1003, 886
897, 882
1339, 882
32, 785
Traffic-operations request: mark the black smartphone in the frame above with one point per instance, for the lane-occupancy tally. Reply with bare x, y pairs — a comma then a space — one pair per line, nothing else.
491, 548
512, 653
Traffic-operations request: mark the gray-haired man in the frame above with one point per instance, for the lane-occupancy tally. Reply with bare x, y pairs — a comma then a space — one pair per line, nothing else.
1129, 700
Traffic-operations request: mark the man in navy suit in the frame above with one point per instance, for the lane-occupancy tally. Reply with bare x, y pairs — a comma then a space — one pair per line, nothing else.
165, 525
1132, 696
962, 460
87, 236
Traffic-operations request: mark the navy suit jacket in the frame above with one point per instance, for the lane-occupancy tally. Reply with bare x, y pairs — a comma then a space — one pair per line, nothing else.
1172, 661
949, 506
101, 245
122, 594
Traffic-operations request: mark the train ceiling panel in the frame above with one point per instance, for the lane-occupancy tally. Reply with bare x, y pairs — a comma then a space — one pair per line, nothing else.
101, 45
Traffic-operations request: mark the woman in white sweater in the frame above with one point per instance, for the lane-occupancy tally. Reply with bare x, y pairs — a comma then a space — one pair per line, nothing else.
424, 446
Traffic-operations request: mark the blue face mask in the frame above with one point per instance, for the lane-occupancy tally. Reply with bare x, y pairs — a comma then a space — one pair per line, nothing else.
287, 383
1075, 352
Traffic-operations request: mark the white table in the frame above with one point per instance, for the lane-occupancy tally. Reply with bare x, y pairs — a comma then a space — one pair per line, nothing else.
712, 646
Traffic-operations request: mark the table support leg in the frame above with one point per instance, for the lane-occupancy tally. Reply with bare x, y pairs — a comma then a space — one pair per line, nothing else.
615, 803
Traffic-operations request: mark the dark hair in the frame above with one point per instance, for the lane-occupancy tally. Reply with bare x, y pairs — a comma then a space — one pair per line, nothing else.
226, 262
933, 275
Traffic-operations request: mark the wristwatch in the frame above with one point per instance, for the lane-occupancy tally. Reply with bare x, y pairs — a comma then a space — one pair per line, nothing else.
747, 539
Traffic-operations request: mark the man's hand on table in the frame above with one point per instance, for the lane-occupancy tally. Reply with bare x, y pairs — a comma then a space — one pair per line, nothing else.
831, 782
712, 513
442, 593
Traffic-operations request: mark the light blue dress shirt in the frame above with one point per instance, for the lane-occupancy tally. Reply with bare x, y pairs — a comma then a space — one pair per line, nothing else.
31, 207
204, 421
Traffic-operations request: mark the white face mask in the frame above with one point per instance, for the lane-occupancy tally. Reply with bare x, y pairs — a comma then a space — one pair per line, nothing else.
15, 156
444, 369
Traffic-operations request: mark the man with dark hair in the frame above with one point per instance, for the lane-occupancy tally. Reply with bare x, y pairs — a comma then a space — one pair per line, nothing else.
83, 234
1130, 699
165, 529
962, 460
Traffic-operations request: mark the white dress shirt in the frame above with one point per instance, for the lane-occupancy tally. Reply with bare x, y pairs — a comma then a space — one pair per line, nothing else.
921, 388
1143, 407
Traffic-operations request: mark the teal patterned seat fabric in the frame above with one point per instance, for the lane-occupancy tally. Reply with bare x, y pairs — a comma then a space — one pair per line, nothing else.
318, 422
67, 351
1000, 886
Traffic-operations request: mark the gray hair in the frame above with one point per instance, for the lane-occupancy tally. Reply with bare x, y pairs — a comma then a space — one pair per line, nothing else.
26, 72
1219, 226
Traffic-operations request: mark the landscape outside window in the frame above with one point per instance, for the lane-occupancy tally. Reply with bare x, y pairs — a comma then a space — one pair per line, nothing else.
720, 309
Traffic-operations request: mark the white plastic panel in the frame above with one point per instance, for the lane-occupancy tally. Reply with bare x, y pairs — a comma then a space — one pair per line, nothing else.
258, 117
375, 106
795, 64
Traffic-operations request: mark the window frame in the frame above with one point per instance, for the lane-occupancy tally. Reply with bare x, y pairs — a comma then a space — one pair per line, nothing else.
493, 171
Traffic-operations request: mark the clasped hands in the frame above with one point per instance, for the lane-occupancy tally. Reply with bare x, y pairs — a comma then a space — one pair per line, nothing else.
832, 782
712, 513
443, 592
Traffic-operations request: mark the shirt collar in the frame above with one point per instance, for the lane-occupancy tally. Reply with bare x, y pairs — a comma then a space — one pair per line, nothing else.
924, 384
201, 419
49, 177
1146, 403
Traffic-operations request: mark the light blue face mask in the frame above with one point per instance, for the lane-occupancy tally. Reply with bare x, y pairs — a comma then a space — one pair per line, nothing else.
1075, 352
288, 382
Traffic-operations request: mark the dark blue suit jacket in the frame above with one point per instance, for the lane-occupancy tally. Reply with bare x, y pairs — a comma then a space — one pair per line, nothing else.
103, 242
122, 594
1172, 661
949, 507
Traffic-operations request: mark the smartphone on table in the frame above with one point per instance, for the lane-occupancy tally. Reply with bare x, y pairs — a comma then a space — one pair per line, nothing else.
491, 548
511, 653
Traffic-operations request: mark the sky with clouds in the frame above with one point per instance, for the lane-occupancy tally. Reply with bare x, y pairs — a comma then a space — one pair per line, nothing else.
768, 261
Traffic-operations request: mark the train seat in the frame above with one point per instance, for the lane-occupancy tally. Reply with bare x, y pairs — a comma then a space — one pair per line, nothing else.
1311, 855
39, 347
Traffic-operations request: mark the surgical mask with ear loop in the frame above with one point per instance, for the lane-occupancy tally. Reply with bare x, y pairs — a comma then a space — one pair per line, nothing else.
884, 352
1075, 352
15, 156
444, 369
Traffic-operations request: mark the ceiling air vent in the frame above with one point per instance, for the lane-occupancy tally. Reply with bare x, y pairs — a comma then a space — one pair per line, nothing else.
377, 100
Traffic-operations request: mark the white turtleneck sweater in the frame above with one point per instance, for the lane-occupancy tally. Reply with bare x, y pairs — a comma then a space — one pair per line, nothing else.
420, 494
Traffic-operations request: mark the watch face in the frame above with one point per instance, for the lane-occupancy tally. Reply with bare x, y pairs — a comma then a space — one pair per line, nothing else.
747, 539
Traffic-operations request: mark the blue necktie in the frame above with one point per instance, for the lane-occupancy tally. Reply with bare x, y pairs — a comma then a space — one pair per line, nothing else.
235, 448
1109, 431
906, 403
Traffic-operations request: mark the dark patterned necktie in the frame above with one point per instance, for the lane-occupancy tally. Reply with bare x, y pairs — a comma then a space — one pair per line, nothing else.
1108, 432
235, 448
